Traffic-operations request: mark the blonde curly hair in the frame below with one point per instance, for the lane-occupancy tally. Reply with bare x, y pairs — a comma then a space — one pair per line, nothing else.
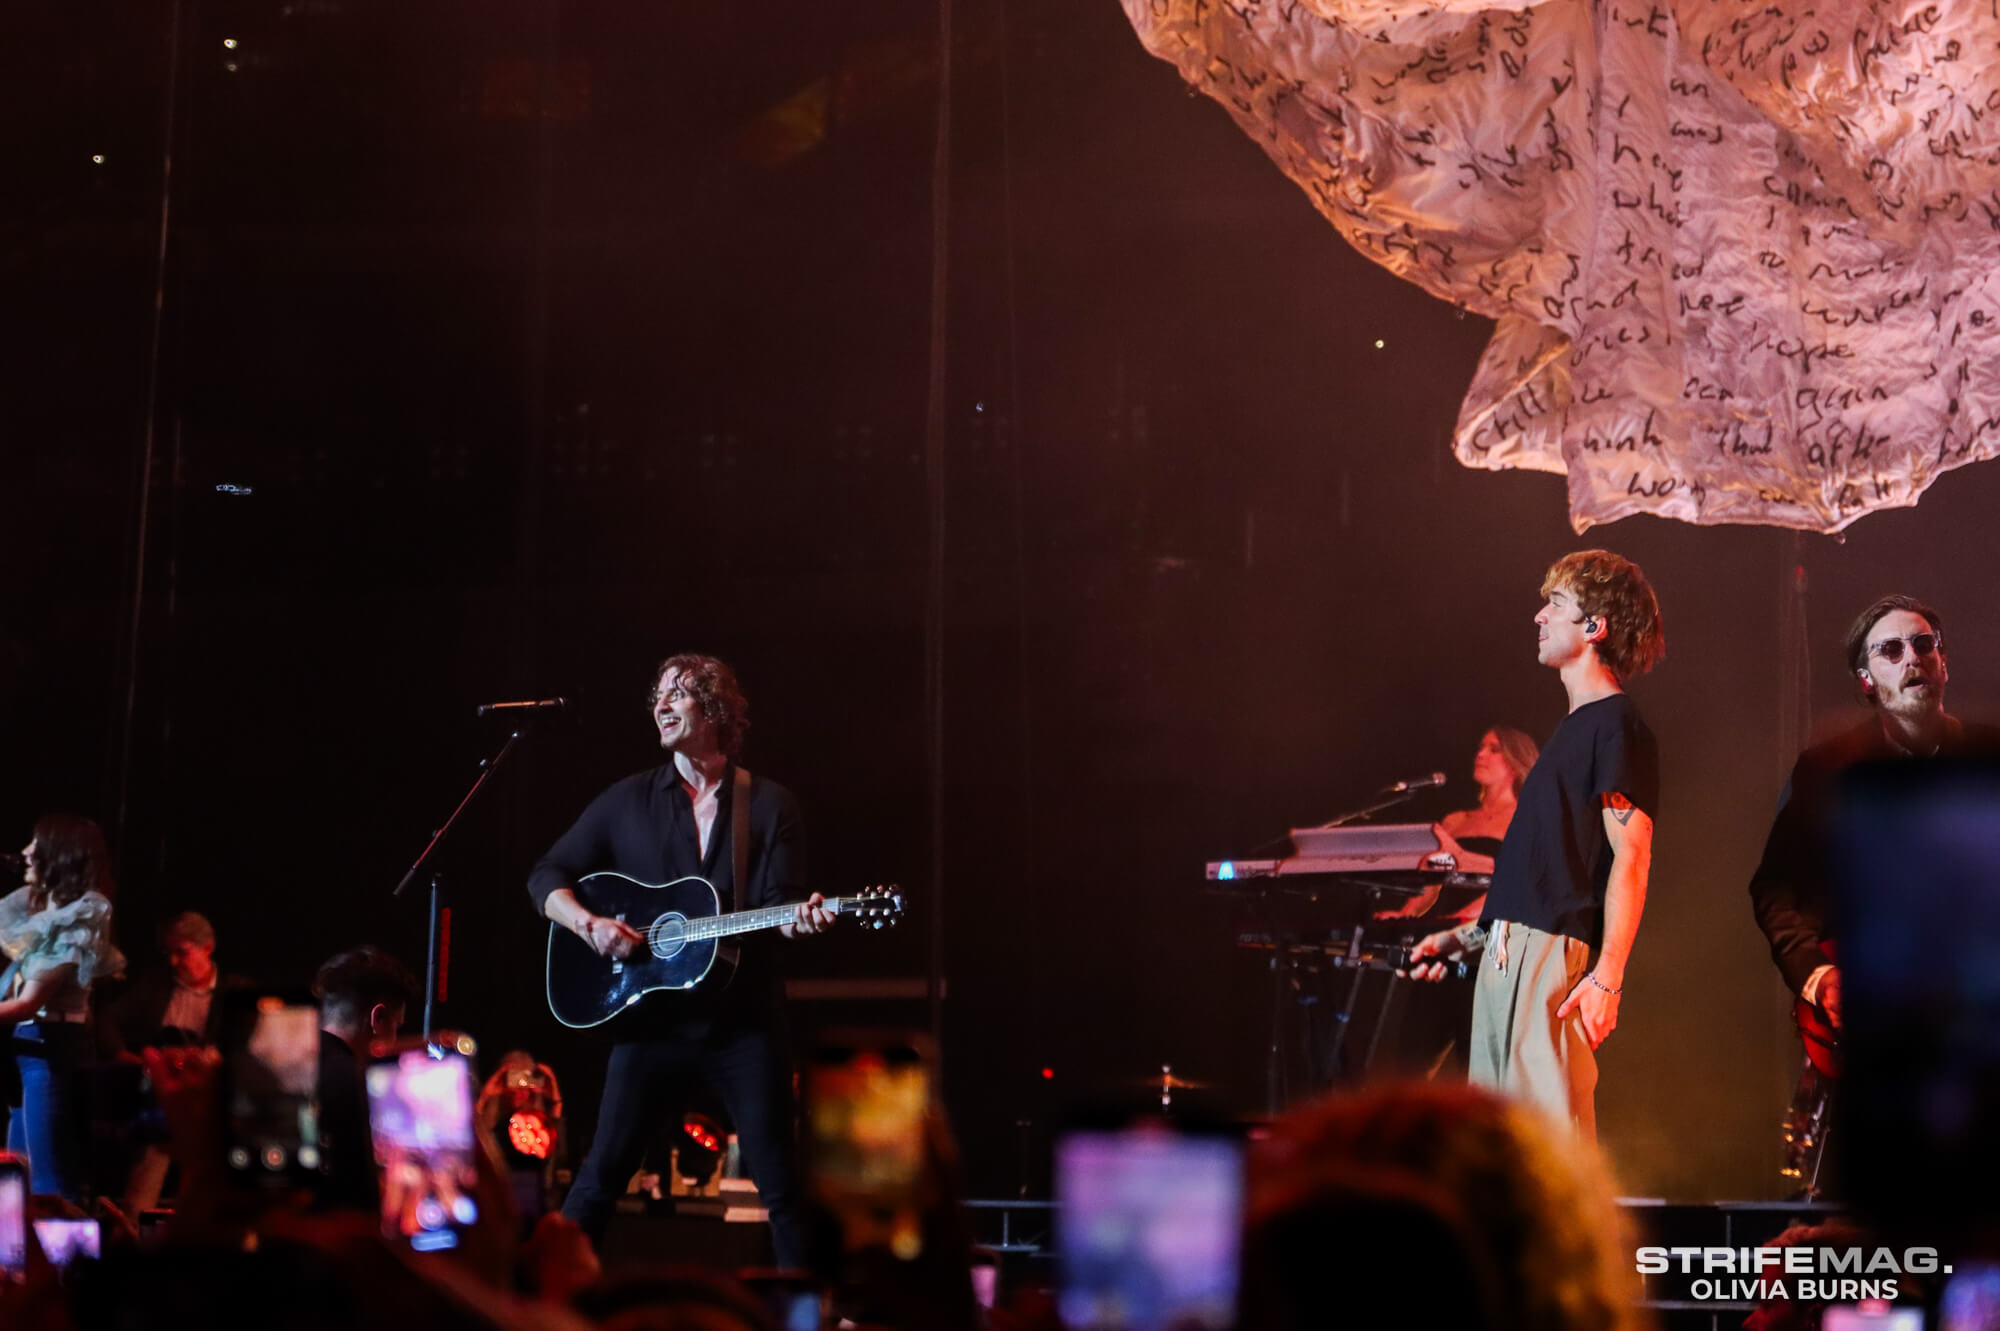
1511, 1220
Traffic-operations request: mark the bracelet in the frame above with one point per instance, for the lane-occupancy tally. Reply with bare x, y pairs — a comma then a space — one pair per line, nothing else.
1592, 977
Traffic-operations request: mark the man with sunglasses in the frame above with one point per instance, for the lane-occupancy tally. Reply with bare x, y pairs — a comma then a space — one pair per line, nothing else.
1895, 653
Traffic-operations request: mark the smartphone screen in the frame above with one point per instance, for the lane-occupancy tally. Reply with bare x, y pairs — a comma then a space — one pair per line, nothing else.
13, 1219
867, 1109
420, 1101
271, 1072
63, 1241
1150, 1225
1916, 861
1971, 1299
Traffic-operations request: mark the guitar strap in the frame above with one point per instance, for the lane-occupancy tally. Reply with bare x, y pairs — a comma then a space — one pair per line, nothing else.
739, 839
739, 850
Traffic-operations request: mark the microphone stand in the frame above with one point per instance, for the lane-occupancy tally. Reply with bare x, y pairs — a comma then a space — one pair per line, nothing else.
437, 953
1389, 801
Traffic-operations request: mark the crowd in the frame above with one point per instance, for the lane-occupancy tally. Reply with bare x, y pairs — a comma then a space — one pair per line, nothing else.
1411, 1204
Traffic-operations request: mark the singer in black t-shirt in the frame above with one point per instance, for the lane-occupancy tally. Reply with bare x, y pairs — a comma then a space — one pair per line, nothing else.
1570, 881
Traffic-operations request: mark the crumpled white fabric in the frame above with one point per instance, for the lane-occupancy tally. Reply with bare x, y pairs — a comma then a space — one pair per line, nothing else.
1742, 255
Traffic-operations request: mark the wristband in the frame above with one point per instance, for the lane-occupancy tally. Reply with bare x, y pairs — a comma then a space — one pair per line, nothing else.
1592, 977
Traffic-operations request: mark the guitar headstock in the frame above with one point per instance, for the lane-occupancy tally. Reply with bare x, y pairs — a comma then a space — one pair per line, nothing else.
877, 907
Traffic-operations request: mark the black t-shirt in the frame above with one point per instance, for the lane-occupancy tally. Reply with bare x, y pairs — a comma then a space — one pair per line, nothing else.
343, 1125
1553, 867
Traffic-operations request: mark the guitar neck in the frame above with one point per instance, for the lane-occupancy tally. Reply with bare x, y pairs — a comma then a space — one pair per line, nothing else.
750, 921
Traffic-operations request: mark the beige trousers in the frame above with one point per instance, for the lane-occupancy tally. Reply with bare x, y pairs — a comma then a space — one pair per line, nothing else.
1518, 1046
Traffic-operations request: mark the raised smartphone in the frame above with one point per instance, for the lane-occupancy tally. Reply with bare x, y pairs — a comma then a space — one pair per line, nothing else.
1150, 1225
420, 1103
867, 1109
63, 1241
13, 1218
270, 1088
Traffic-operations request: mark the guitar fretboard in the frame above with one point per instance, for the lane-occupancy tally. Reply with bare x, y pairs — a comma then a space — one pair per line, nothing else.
749, 921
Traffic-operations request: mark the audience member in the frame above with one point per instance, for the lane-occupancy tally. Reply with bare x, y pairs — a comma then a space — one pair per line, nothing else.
1443, 1205
167, 1005
673, 1299
363, 996
175, 1003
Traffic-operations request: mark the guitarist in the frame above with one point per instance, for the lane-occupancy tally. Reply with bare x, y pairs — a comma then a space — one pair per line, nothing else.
1895, 653
677, 821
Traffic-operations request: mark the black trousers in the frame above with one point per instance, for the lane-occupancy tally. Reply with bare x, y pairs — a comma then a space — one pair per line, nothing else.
648, 1079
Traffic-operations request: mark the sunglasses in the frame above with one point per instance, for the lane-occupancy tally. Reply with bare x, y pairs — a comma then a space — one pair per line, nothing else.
1891, 649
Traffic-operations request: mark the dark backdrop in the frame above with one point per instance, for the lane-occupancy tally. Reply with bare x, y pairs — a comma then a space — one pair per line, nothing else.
506, 347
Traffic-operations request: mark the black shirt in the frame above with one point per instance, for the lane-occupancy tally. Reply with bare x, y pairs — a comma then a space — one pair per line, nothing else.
1556, 861
1789, 889
644, 827
343, 1128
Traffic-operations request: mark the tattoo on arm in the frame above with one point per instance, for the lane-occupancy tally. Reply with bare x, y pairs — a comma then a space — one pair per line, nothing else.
1623, 813
1620, 808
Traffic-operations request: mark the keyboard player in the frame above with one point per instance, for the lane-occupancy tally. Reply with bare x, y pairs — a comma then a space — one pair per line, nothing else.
1472, 836
1428, 1034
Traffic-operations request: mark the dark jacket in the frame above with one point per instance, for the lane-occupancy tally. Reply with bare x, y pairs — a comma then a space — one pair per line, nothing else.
1789, 891
134, 1019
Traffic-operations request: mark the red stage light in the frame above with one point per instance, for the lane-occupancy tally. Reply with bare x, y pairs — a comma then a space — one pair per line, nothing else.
529, 1134
1048, 1074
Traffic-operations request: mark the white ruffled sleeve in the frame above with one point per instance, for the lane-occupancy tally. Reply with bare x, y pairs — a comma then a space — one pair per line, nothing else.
78, 934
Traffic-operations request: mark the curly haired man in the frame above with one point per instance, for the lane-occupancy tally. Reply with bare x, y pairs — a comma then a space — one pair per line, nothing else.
1569, 884
672, 822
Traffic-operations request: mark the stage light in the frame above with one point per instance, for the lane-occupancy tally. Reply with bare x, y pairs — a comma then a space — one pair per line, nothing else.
1379, 344
699, 1155
229, 43
1048, 1074
520, 1111
529, 1135
97, 158
229, 65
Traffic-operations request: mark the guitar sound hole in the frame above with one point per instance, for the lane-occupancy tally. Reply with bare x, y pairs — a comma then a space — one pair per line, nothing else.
668, 935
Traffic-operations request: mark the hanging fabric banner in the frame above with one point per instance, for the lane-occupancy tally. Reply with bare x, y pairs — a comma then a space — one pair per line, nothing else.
1742, 255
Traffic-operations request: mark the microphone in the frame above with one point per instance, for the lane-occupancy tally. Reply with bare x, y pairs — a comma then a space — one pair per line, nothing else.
528, 705
1417, 783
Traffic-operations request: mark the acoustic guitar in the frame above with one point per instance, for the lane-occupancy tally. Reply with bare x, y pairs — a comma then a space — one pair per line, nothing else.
684, 924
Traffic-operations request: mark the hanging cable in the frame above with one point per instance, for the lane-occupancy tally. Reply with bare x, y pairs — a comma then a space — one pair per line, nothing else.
934, 495
150, 441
